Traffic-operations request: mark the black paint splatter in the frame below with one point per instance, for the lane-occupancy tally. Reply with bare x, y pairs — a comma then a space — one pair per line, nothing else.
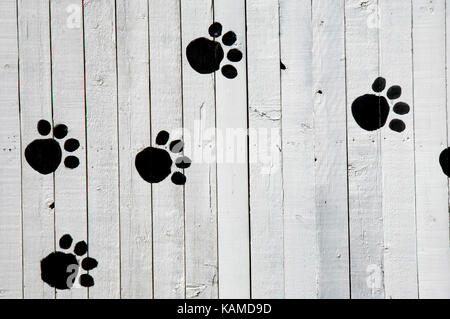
215, 30
444, 160
205, 56
60, 270
379, 85
45, 155
229, 38
397, 125
229, 71
401, 108
154, 165
371, 111
178, 178
183, 162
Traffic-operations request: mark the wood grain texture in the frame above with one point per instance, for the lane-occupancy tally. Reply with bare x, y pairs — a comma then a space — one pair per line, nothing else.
134, 135
330, 150
167, 114
265, 147
35, 104
199, 121
301, 246
10, 149
287, 195
232, 167
69, 109
102, 146
433, 257
364, 157
397, 157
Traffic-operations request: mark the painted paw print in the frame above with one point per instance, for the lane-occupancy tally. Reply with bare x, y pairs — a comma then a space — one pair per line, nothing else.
371, 111
155, 164
444, 160
45, 155
60, 270
205, 56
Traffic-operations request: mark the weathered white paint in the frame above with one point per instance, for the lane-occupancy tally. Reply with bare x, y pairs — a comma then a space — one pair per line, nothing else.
69, 109
166, 114
265, 147
300, 240
199, 117
35, 104
364, 156
102, 147
330, 148
429, 58
397, 156
115, 72
134, 135
232, 177
10, 157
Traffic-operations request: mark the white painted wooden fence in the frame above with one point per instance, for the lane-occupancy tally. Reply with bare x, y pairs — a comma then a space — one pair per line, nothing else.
306, 205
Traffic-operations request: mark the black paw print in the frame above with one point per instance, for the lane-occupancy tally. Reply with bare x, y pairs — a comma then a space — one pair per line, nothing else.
371, 111
444, 160
205, 56
44, 155
60, 270
155, 164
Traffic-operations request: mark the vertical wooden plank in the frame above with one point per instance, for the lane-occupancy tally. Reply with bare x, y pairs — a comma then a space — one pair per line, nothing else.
36, 104
300, 239
330, 148
134, 135
429, 58
167, 112
266, 191
364, 156
443, 234
69, 109
199, 133
232, 168
10, 159
102, 146
397, 157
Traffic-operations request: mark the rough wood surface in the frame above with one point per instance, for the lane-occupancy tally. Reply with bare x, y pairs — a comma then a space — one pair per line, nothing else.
289, 195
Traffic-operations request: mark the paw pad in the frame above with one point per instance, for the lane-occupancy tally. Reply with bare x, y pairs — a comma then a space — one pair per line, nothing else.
60, 270
371, 111
45, 155
155, 164
444, 160
205, 56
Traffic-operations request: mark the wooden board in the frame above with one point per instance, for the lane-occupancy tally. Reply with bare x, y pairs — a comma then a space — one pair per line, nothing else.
265, 147
102, 146
11, 284
289, 194
397, 156
199, 120
232, 168
166, 114
429, 58
364, 156
35, 104
69, 109
301, 245
134, 135
330, 148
